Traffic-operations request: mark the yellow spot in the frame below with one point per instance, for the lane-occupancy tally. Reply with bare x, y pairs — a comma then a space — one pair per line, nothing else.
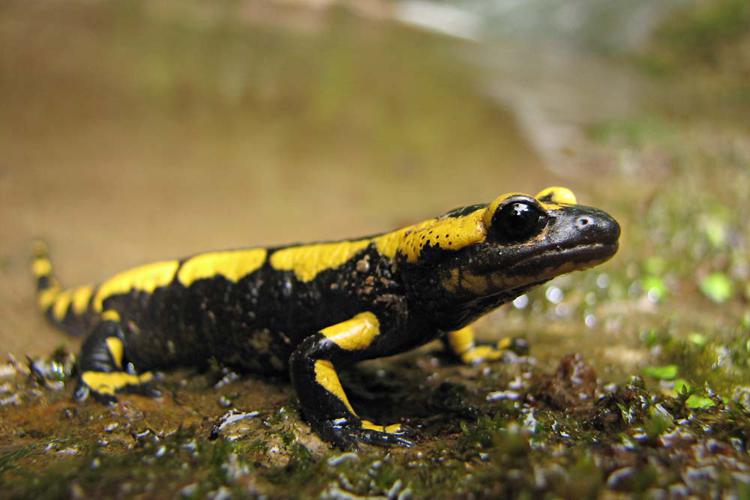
388, 244
41, 267
505, 343
308, 260
62, 302
326, 376
448, 233
81, 297
116, 349
356, 333
390, 429
481, 353
233, 265
47, 297
144, 278
111, 315
461, 341
556, 195
109, 383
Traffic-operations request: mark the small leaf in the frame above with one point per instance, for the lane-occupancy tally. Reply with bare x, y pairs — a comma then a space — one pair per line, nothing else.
666, 372
681, 386
696, 402
717, 287
697, 338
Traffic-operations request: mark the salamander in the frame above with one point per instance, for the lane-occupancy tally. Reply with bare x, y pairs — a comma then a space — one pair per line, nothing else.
310, 309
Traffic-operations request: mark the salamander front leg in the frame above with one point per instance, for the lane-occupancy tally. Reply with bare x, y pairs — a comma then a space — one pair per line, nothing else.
102, 366
461, 343
323, 400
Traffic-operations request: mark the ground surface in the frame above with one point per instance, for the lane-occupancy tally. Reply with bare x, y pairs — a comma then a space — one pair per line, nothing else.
138, 133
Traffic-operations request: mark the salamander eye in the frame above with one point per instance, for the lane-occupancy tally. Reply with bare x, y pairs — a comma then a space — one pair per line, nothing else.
517, 221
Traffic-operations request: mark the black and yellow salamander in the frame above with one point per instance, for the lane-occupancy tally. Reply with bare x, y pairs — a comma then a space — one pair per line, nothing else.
310, 309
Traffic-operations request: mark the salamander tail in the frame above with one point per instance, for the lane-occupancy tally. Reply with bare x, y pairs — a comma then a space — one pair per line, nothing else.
47, 286
65, 308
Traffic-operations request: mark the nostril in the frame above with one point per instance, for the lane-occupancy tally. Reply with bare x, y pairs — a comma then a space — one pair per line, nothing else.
583, 221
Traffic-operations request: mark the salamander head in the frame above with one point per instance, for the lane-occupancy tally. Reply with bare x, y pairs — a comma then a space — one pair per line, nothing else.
498, 251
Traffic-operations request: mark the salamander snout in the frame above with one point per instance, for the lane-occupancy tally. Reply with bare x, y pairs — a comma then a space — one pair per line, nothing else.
596, 226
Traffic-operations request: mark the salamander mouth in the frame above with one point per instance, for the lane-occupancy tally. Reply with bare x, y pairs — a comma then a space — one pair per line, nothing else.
558, 260
544, 265
498, 285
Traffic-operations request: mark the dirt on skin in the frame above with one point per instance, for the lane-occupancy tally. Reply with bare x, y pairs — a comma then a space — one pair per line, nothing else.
119, 151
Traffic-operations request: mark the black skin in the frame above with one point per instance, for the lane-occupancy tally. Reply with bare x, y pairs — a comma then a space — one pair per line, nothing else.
269, 321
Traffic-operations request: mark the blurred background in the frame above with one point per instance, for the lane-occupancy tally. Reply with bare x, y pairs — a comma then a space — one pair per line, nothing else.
139, 130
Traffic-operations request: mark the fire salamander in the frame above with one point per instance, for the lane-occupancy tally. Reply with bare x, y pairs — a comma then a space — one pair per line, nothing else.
310, 309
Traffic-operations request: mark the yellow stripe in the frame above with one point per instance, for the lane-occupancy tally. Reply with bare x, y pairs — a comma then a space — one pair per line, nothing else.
62, 303
41, 267
144, 278
390, 429
356, 333
47, 297
109, 383
81, 297
448, 233
307, 261
111, 315
233, 265
461, 341
326, 376
505, 343
388, 244
556, 195
116, 349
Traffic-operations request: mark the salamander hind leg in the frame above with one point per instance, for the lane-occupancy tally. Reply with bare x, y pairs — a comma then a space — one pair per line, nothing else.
103, 369
323, 400
461, 343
